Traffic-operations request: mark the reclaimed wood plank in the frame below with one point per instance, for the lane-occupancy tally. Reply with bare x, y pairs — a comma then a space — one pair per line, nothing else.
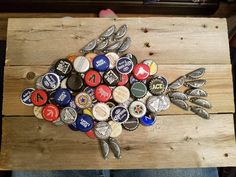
168, 40
219, 86
172, 142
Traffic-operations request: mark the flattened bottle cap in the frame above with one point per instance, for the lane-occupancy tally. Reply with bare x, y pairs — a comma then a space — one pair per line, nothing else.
116, 129
132, 57
91, 92
92, 78
131, 124
50, 81
103, 93
124, 78
38, 112
83, 100
124, 65
101, 63
81, 64
101, 111
152, 65
63, 67
74, 82
157, 85
84, 123
148, 120
90, 56
68, 115
113, 58
121, 94
62, 97
39, 97
141, 71
50, 112
138, 89
63, 83
119, 114
26, 96
158, 103
137, 109
111, 77
102, 130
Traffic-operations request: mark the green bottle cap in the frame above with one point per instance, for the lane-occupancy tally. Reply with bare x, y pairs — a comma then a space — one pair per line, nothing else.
138, 89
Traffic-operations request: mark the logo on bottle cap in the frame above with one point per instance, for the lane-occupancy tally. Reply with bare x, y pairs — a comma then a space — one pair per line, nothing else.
84, 123
83, 100
63, 67
26, 96
101, 63
141, 71
50, 81
50, 112
119, 114
68, 115
92, 78
124, 65
63, 97
39, 97
103, 93
81, 64
137, 109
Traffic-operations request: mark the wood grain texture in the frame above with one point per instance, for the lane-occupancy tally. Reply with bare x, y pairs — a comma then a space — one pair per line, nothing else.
173, 141
171, 40
219, 86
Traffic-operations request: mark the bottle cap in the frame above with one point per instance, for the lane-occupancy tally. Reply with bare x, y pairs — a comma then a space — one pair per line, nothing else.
26, 96
152, 65
63, 67
157, 86
124, 65
84, 123
131, 124
73, 105
50, 81
158, 103
91, 92
74, 82
103, 93
111, 77
121, 94
68, 115
38, 112
101, 63
116, 129
148, 120
119, 114
141, 71
132, 57
92, 78
124, 78
113, 58
81, 64
62, 97
101, 111
39, 97
83, 100
138, 89
90, 56
50, 112
137, 109
102, 130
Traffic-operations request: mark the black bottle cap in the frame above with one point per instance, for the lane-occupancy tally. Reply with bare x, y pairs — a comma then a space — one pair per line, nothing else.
75, 82
63, 67
111, 77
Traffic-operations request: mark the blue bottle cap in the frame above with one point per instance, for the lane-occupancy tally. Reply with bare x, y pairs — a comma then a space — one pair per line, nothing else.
148, 120
50, 81
26, 95
62, 97
119, 114
124, 65
84, 123
101, 63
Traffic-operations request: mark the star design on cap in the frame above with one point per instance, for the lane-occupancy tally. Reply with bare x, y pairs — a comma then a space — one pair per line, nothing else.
138, 109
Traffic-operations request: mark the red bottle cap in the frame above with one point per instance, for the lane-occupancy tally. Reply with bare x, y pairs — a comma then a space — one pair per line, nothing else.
50, 112
124, 80
103, 93
141, 71
39, 97
92, 78
91, 134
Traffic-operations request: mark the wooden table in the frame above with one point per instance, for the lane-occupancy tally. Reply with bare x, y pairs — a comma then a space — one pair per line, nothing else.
178, 139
